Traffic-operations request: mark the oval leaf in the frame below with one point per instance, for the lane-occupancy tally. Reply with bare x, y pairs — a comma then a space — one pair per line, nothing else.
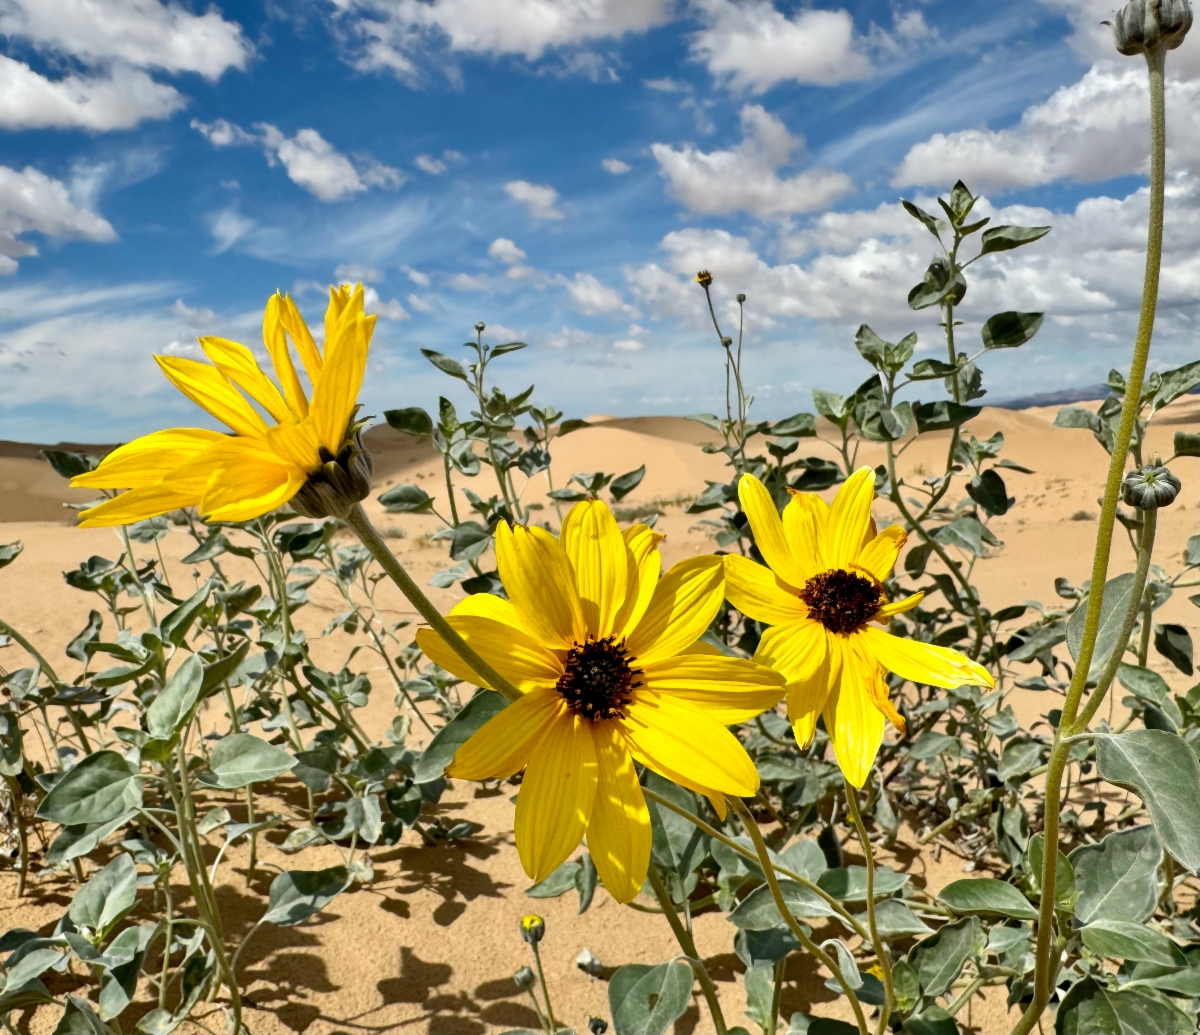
986, 895
242, 759
97, 790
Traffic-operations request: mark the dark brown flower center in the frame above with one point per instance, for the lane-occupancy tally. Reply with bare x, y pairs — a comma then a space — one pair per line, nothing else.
841, 600
597, 680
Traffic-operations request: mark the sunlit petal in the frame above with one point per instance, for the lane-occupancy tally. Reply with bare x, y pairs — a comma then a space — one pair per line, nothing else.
557, 795
541, 584
618, 834
797, 650
898, 607
503, 744
644, 566
759, 593
805, 519
143, 462
598, 554
685, 601
136, 505
854, 723
850, 523
208, 388
515, 655
302, 338
768, 531
337, 388
275, 339
727, 690
237, 363
923, 662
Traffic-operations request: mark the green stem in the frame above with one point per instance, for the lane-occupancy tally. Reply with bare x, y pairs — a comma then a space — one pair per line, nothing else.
1129, 410
881, 950
450, 489
1144, 641
688, 944
17, 798
764, 861
357, 520
537, 958
44, 665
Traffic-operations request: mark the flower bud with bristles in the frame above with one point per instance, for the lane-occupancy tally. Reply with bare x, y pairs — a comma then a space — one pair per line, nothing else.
1150, 487
1146, 26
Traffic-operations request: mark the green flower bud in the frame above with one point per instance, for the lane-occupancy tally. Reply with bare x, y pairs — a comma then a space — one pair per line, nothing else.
1150, 487
523, 978
597, 1025
339, 483
532, 928
1143, 26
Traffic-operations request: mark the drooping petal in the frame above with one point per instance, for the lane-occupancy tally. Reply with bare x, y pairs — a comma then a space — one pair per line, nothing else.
850, 523
618, 834
671, 734
898, 607
759, 593
515, 655
237, 363
727, 690
557, 795
136, 505
275, 339
879, 555
147, 460
805, 519
854, 723
598, 554
768, 531
208, 388
645, 565
503, 744
923, 662
685, 601
297, 329
797, 650
247, 488
540, 583
336, 391
806, 698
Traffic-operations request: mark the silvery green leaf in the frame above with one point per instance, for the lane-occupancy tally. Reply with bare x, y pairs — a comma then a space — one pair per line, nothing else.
1091, 1008
299, 894
1118, 878
644, 1000
986, 895
939, 959
241, 759
1122, 940
1002, 238
440, 753
100, 788
1112, 617
108, 895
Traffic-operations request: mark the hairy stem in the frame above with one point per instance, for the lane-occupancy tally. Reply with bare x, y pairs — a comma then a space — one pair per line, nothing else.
881, 950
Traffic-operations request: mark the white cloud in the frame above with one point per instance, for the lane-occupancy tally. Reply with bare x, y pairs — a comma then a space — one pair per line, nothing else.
390, 310
118, 99
416, 276
1090, 130
310, 161
398, 36
504, 250
628, 345
752, 45
429, 164
746, 177
32, 202
591, 297
469, 282
142, 33
616, 166
419, 304
198, 317
228, 227
115, 42
352, 272
539, 200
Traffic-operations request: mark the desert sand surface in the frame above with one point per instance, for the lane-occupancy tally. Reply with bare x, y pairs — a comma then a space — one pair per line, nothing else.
430, 945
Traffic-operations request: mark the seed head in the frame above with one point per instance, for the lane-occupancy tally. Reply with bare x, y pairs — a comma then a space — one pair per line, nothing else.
1145, 26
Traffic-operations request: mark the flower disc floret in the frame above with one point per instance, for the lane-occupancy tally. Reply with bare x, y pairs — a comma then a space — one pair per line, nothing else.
841, 600
597, 680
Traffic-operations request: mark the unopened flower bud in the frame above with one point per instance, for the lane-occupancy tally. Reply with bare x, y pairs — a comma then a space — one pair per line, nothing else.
741, 298
523, 978
597, 1025
532, 928
1150, 487
704, 278
479, 326
342, 481
1143, 26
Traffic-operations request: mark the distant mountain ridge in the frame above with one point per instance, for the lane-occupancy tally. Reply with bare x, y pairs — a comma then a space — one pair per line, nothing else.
1065, 395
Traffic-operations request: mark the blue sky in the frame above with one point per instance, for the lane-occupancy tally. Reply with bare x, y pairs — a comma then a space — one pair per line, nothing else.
559, 169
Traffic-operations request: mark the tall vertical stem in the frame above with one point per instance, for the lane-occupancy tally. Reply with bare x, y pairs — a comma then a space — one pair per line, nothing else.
881, 950
1044, 966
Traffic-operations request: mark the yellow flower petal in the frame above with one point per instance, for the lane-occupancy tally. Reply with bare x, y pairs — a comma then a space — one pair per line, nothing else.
598, 554
207, 387
302, 339
143, 462
727, 690
898, 607
242, 491
237, 363
759, 593
541, 585
879, 555
516, 656
685, 602
797, 650
645, 565
768, 531
557, 795
854, 723
806, 698
805, 519
667, 733
503, 744
275, 339
618, 834
136, 505
336, 390
296, 444
923, 662
488, 605
850, 522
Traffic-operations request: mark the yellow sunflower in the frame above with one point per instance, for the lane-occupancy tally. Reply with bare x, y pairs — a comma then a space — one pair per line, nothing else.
260, 466
607, 657
821, 593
